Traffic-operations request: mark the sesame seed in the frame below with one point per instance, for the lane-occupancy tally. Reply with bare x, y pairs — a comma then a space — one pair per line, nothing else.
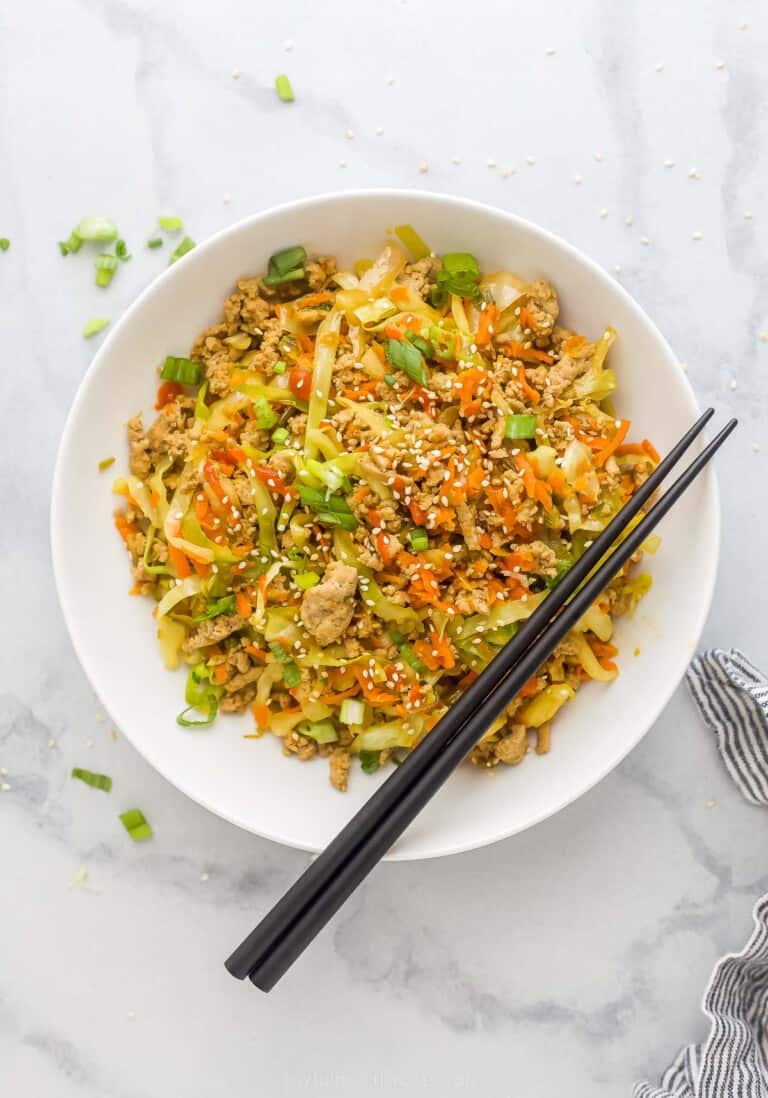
455, 160
5, 787
696, 236
549, 51
763, 337
349, 134
598, 156
629, 219
693, 174
660, 66
390, 80
733, 385
756, 447
379, 131
719, 65
669, 163
235, 74
423, 167
342, 163
226, 198
530, 160
603, 212
577, 179
747, 215
644, 240
288, 45
491, 163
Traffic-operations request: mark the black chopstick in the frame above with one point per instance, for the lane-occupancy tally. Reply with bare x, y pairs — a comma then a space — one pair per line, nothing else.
273, 946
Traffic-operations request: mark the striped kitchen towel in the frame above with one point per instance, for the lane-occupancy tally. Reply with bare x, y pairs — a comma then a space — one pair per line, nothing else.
733, 1061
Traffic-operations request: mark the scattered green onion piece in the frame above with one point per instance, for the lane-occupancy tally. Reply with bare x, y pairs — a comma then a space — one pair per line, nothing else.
412, 241
94, 326
95, 228
280, 435
290, 276
286, 266
278, 368
220, 606
135, 823
331, 510
419, 539
305, 580
418, 342
4, 243
390, 379
186, 245
96, 781
279, 652
404, 356
72, 245
202, 411
155, 242
186, 371
370, 761
291, 674
105, 464
521, 426
106, 265
121, 250
352, 711
265, 416
210, 716
63, 247
284, 89
170, 224
201, 696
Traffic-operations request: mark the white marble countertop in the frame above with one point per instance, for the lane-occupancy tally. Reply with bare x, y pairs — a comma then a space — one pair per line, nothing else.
568, 960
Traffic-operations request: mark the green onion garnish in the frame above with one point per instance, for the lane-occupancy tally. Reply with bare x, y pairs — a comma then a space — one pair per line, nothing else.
94, 228
279, 652
121, 250
278, 368
202, 411
412, 241
291, 674
105, 464
418, 342
95, 325
331, 510
521, 426
370, 761
390, 379
352, 711
305, 580
186, 245
155, 242
106, 265
4, 243
265, 416
284, 89
286, 266
280, 436
319, 731
187, 371
410, 657
72, 245
220, 606
419, 539
562, 567
96, 781
201, 696
404, 356
135, 823
170, 224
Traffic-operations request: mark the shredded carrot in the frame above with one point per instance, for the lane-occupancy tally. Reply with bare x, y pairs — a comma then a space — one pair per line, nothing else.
385, 548
334, 699
467, 385
621, 433
393, 332
179, 561
261, 714
125, 528
527, 354
362, 392
417, 514
485, 541
257, 653
435, 652
531, 687
220, 673
372, 693
244, 607
399, 294
167, 393
263, 586
651, 451
528, 390
202, 568
485, 329
573, 344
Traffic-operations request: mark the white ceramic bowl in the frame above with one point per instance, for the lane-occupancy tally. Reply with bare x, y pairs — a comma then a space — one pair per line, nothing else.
249, 781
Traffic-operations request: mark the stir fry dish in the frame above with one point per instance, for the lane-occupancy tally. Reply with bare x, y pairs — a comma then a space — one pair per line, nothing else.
356, 487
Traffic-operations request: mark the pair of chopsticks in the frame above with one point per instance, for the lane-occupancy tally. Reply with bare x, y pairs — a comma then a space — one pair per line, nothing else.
283, 934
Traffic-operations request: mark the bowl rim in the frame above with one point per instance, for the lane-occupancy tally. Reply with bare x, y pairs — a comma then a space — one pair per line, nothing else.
459, 203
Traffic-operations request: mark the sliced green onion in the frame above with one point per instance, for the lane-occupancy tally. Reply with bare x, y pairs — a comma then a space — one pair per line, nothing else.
352, 711
305, 580
121, 250
404, 356
390, 379
286, 266
135, 823
155, 242
419, 539
105, 464
265, 416
200, 696
170, 224
291, 674
290, 276
72, 245
106, 265
95, 228
284, 89
186, 371
202, 411
370, 761
278, 368
95, 325
331, 510
319, 731
186, 245
211, 714
4, 243
220, 606
418, 342
412, 241
279, 652
280, 436
521, 427
96, 781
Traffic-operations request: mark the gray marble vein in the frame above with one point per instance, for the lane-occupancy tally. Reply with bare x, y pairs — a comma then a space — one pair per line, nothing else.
570, 959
